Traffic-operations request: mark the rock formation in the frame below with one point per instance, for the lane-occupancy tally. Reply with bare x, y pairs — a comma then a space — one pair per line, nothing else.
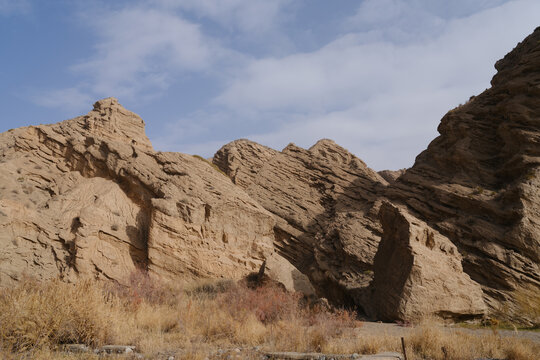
477, 183
325, 203
90, 197
475, 187
418, 272
457, 235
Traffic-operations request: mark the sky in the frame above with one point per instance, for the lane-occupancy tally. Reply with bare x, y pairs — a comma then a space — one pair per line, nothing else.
376, 76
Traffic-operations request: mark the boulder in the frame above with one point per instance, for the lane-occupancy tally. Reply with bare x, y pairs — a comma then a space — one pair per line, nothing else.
418, 273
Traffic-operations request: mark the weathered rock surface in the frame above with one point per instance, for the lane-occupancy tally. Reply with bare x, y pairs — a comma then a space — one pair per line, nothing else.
418, 272
475, 187
325, 203
90, 197
460, 229
477, 183
391, 175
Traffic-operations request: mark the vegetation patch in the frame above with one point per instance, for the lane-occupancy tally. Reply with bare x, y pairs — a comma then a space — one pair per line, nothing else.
197, 319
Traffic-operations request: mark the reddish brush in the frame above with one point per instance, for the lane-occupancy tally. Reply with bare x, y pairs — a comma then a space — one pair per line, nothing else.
268, 302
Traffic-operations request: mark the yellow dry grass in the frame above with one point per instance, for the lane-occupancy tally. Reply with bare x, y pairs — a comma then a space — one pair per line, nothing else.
196, 320
430, 341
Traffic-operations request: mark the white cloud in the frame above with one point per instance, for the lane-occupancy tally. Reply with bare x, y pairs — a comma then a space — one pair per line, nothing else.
379, 88
365, 90
245, 15
140, 49
139, 53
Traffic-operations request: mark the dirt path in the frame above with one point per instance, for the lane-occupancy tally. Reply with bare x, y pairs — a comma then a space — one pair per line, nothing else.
390, 329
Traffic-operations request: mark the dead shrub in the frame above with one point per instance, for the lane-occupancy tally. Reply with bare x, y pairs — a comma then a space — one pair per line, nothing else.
431, 341
334, 320
140, 287
37, 318
34, 315
268, 303
209, 288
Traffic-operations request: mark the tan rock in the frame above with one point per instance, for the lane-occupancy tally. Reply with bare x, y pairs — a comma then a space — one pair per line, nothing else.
391, 175
281, 270
477, 183
418, 273
89, 197
324, 201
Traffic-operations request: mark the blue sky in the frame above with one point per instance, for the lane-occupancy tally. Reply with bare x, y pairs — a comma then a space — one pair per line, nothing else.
376, 76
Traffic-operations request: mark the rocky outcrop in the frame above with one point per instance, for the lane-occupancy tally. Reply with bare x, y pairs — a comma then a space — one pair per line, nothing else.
418, 273
325, 203
90, 197
475, 187
456, 235
477, 183
391, 175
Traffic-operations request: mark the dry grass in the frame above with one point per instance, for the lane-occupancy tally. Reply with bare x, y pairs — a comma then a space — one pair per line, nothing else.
34, 315
431, 341
197, 319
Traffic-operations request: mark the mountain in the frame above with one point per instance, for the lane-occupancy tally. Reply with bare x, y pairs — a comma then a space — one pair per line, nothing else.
456, 236
90, 197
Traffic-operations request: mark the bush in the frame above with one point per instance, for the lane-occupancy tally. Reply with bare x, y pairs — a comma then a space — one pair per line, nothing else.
268, 303
34, 315
141, 288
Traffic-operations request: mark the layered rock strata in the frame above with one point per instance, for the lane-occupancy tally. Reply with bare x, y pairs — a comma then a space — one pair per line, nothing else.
325, 203
90, 197
418, 273
477, 183
456, 235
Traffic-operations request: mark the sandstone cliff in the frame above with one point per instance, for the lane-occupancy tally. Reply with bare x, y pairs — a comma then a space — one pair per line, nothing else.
418, 273
324, 202
475, 187
477, 183
457, 235
90, 197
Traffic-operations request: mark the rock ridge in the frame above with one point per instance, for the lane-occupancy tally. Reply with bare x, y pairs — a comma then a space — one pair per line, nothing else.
457, 235
90, 197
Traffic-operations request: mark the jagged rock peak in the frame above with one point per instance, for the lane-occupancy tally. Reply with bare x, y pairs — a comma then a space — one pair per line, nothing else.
391, 175
477, 183
518, 64
109, 119
324, 203
328, 149
234, 156
88, 197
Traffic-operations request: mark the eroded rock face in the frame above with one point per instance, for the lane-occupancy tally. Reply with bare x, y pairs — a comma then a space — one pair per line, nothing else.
90, 197
475, 187
325, 203
418, 273
477, 183
460, 229
391, 175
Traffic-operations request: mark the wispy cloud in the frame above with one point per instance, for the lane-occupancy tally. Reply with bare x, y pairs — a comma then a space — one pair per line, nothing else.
379, 87
140, 49
139, 52
72, 100
363, 89
251, 16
